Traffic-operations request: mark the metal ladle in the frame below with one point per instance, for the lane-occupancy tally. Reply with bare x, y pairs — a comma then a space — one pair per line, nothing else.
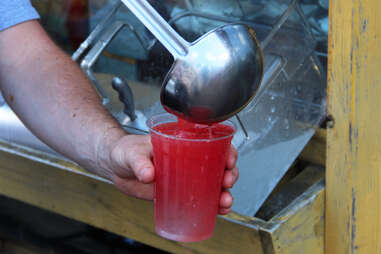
212, 78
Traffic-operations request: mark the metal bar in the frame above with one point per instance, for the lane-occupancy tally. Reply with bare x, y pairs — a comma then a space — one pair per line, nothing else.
97, 30
278, 24
242, 126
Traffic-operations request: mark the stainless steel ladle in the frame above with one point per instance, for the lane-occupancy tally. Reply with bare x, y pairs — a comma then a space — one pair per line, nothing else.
212, 78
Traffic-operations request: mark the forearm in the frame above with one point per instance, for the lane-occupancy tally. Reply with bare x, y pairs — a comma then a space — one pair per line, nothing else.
53, 97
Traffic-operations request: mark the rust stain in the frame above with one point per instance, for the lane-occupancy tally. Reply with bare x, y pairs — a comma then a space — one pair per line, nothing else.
11, 98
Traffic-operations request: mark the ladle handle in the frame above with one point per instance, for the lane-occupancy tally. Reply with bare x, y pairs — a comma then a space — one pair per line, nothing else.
152, 20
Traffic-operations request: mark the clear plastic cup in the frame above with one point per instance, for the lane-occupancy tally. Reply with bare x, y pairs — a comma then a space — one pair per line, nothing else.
188, 178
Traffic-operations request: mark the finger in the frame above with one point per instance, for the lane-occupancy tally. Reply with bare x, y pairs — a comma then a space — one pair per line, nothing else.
236, 174
232, 158
143, 168
230, 178
226, 200
131, 164
132, 187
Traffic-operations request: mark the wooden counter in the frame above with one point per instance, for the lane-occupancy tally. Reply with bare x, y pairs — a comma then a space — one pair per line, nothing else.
351, 154
64, 188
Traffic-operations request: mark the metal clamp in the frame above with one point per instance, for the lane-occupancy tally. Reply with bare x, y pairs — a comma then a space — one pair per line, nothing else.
94, 50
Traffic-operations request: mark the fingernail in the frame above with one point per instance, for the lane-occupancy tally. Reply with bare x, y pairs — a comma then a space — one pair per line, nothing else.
232, 178
231, 160
231, 200
141, 173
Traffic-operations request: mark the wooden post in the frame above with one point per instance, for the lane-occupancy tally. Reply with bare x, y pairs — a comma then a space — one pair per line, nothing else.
353, 196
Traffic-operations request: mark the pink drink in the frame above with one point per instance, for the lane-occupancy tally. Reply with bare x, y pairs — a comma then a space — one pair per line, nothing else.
189, 162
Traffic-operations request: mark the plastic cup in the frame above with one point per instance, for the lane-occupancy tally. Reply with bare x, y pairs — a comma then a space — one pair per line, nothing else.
188, 180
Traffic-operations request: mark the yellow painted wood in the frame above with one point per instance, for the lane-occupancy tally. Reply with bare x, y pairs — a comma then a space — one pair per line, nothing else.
299, 228
353, 212
62, 188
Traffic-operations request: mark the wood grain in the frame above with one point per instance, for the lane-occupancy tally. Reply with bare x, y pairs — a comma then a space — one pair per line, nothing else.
64, 188
60, 187
353, 200
299, 228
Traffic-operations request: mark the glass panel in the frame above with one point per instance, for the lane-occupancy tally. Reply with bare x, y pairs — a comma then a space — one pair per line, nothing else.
280, 120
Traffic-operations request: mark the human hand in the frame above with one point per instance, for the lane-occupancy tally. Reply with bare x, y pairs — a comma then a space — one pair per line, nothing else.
133, 170
230, 178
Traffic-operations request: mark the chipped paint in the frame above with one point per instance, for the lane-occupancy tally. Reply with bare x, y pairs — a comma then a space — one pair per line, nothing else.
353, 200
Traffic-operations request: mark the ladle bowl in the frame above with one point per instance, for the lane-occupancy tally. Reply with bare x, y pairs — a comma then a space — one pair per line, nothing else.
212, 78
217, 78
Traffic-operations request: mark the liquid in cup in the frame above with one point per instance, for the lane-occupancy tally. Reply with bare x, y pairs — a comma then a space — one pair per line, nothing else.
189, 167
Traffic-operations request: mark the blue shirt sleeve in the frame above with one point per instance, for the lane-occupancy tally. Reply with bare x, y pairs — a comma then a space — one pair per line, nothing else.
13, 12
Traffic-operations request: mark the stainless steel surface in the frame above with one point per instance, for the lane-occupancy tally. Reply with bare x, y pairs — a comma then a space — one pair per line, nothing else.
242, 126
279, 121
152, 20
279, 23
13, 130
133, 121
274, 66
125, 96
205, 83
208, 86
93, 35
95, 51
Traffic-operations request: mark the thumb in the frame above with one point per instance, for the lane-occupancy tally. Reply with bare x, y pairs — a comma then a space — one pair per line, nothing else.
143, 168
132, 158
